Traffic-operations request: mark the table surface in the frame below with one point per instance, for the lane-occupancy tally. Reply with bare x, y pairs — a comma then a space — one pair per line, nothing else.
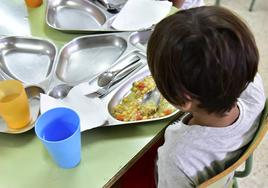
107, 152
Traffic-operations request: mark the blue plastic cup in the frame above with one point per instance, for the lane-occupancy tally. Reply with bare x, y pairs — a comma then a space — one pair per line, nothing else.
59, 130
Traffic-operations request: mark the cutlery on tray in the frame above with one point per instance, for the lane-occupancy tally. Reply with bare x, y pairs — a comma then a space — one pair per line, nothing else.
106, 77
106, 83
103, 91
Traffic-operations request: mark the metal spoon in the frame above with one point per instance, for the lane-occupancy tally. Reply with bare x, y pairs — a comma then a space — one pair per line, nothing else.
151, 100
106, 77
103, 91
60, 91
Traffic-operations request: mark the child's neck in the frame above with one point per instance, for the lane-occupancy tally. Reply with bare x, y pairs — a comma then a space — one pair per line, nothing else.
213, 120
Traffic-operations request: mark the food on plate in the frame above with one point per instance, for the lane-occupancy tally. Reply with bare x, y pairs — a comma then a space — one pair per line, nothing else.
130, 107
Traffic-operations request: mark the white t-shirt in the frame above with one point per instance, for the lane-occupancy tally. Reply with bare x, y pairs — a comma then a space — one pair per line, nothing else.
192, 3
193, 154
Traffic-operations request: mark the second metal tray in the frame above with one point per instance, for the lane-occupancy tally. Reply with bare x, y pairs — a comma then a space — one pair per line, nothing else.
78, 16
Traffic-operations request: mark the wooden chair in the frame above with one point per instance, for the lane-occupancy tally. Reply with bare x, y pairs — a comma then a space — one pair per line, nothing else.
221, 180
250, 7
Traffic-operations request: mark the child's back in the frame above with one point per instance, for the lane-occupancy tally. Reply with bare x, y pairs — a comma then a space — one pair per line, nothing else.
199, 152
202, 59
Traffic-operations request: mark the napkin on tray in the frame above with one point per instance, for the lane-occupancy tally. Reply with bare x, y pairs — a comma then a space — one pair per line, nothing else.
91, 111
141, 14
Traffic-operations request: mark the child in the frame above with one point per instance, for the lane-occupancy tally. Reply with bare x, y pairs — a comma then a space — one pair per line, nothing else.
204, 61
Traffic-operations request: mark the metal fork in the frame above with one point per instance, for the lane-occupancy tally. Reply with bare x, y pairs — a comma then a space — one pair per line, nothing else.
106, 89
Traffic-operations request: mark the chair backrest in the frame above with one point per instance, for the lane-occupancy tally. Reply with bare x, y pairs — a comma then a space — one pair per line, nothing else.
223, 176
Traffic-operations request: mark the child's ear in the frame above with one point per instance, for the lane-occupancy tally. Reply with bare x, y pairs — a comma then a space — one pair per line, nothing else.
186, 106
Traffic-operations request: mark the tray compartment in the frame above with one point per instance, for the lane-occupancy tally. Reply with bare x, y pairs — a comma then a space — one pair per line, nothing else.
85, 57
123, 91
29, 60
76, 15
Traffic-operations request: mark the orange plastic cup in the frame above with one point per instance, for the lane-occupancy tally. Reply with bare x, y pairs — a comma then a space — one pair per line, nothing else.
14, 105
33, 3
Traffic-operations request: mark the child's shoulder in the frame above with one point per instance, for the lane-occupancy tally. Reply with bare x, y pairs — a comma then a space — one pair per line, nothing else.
181, 132
254, 96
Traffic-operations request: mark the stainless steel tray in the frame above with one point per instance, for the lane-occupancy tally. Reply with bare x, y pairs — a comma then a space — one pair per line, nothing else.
122, 91
81, 100
123, 61
33, 93
29, 60
78, 16
84, 58
80, 60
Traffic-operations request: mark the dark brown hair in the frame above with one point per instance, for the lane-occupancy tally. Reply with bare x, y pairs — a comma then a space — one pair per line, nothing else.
207, 53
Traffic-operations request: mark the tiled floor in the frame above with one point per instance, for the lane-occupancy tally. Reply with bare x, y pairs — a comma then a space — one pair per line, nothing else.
258, 22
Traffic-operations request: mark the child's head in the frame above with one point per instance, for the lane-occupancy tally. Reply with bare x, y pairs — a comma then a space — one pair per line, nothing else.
204, 53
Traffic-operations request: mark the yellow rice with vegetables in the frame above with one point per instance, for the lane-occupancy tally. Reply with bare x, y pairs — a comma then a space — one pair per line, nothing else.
131, 109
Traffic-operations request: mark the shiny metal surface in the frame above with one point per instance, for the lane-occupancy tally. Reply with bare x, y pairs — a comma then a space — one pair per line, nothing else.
29, 60
14, 18
85, 57
33, 93
60, 91
123, 91
106, 77
140, 39
77, 16
102, 92
112, 7
152, 96
124, 76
